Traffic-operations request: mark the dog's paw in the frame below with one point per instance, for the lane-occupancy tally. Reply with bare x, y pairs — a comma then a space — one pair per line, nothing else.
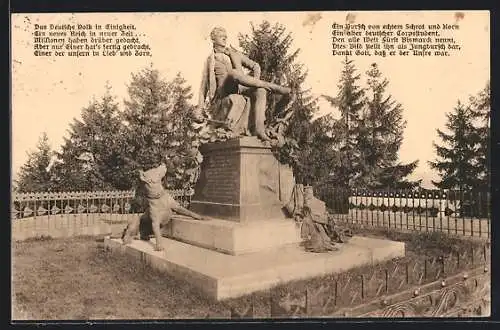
159, 248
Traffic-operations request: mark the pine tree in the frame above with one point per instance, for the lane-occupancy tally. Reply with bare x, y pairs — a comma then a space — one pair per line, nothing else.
270, 46
107, 146
158, 122
380, 136
318, 155
481, 109
35, 175
457, 162
91, 155
350, 101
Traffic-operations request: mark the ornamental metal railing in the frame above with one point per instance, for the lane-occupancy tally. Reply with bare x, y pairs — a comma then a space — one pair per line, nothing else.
64, 214
37, 204
464, 213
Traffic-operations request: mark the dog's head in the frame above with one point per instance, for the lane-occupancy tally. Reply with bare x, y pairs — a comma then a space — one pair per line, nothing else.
152, 178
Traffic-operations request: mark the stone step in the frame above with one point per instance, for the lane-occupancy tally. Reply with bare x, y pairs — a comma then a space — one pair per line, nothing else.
222, 276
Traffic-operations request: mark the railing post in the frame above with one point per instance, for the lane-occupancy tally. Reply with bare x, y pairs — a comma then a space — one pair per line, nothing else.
386, 271
425, 210
462, 213
362, 287
488, 213
371, 196
480, 211
355, 193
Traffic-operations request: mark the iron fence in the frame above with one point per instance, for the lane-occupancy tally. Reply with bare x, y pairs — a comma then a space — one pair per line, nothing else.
59, 214
464, 213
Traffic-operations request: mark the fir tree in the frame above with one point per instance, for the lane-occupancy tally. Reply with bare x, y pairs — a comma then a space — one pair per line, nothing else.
91, 155
318, 155
350, 101
379, 138
368, 134
457, 162
107, 146
35, 174
481, 109
158, 129
270, 46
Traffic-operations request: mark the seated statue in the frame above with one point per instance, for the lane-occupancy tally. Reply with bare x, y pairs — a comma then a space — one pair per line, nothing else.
234, 99
318, 231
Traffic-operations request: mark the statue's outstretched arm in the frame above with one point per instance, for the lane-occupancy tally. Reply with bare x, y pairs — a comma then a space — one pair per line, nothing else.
252, 65
240, 60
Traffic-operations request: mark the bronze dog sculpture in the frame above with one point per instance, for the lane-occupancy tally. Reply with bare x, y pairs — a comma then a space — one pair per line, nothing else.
160, 208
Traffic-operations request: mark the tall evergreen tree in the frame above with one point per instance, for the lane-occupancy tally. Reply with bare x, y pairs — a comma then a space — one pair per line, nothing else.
90, 157
319, 155
158, 122
481, 110
350, 101
368, 134
270, 46
379, 138
35, 174
457, 162
107, 146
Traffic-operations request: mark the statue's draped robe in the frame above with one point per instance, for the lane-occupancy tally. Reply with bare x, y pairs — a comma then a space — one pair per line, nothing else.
232, 107
314, 225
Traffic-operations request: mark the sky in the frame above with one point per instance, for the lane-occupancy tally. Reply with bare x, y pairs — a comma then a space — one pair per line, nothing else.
48, 93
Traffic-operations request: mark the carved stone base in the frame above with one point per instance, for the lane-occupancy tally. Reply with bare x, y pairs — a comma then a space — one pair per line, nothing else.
241, 181
232, 237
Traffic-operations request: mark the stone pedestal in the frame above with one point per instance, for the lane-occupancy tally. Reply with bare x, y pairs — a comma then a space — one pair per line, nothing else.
221, 276
243, 188
241, 181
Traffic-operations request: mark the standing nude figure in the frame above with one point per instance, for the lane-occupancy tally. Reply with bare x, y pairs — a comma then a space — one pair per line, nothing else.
224, 76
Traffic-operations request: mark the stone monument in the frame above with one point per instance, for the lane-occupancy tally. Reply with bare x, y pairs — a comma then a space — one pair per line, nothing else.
251, 240
235, 100
241, 181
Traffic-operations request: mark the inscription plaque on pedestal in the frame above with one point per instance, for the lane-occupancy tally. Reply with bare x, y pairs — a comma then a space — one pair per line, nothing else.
221, 174
239, 181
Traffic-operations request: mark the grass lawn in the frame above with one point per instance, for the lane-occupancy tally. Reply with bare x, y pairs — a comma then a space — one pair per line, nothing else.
77, 279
